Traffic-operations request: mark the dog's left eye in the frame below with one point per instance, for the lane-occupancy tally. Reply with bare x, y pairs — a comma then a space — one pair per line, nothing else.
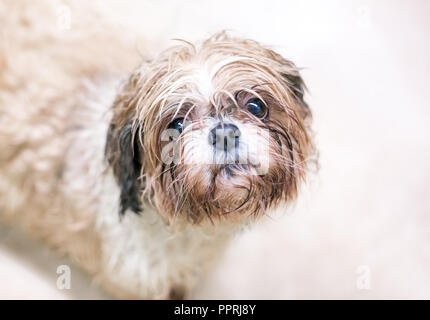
257, 108
177, 124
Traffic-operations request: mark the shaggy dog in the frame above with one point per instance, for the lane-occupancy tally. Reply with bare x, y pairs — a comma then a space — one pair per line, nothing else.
142, 175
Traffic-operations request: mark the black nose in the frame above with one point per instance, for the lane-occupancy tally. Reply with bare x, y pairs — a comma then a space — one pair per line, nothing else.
225, 136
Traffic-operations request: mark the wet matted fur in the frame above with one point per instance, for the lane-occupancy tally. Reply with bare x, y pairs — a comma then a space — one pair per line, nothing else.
81, 134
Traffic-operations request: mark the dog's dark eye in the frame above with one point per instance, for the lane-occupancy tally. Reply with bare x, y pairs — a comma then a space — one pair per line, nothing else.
177, 124
257, 108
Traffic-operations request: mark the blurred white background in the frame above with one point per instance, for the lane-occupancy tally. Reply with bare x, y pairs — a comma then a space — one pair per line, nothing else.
361, 227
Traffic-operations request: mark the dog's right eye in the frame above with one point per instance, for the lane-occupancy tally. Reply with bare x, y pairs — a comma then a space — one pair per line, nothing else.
177, 124
257, 108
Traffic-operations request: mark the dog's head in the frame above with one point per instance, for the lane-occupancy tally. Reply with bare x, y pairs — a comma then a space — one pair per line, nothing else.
211, 131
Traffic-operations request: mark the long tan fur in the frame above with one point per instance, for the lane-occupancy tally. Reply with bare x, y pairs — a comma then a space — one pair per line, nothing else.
73, 111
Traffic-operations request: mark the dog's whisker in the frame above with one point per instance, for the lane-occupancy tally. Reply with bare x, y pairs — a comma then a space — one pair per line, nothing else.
167, 165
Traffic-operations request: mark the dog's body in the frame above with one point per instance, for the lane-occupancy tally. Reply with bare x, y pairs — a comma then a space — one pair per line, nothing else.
62, 174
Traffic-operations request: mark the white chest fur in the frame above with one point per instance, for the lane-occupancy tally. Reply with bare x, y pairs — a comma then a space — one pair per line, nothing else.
144, 254
141, 255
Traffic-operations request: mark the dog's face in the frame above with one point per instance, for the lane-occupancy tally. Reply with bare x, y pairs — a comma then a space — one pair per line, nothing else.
219, 130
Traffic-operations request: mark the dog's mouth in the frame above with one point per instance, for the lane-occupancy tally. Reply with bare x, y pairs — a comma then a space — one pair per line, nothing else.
231, 170
231, 187
234, 170
230, 180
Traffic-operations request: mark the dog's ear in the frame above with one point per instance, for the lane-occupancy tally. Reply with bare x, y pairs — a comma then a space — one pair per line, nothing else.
297, 86
293, 79
123, 154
